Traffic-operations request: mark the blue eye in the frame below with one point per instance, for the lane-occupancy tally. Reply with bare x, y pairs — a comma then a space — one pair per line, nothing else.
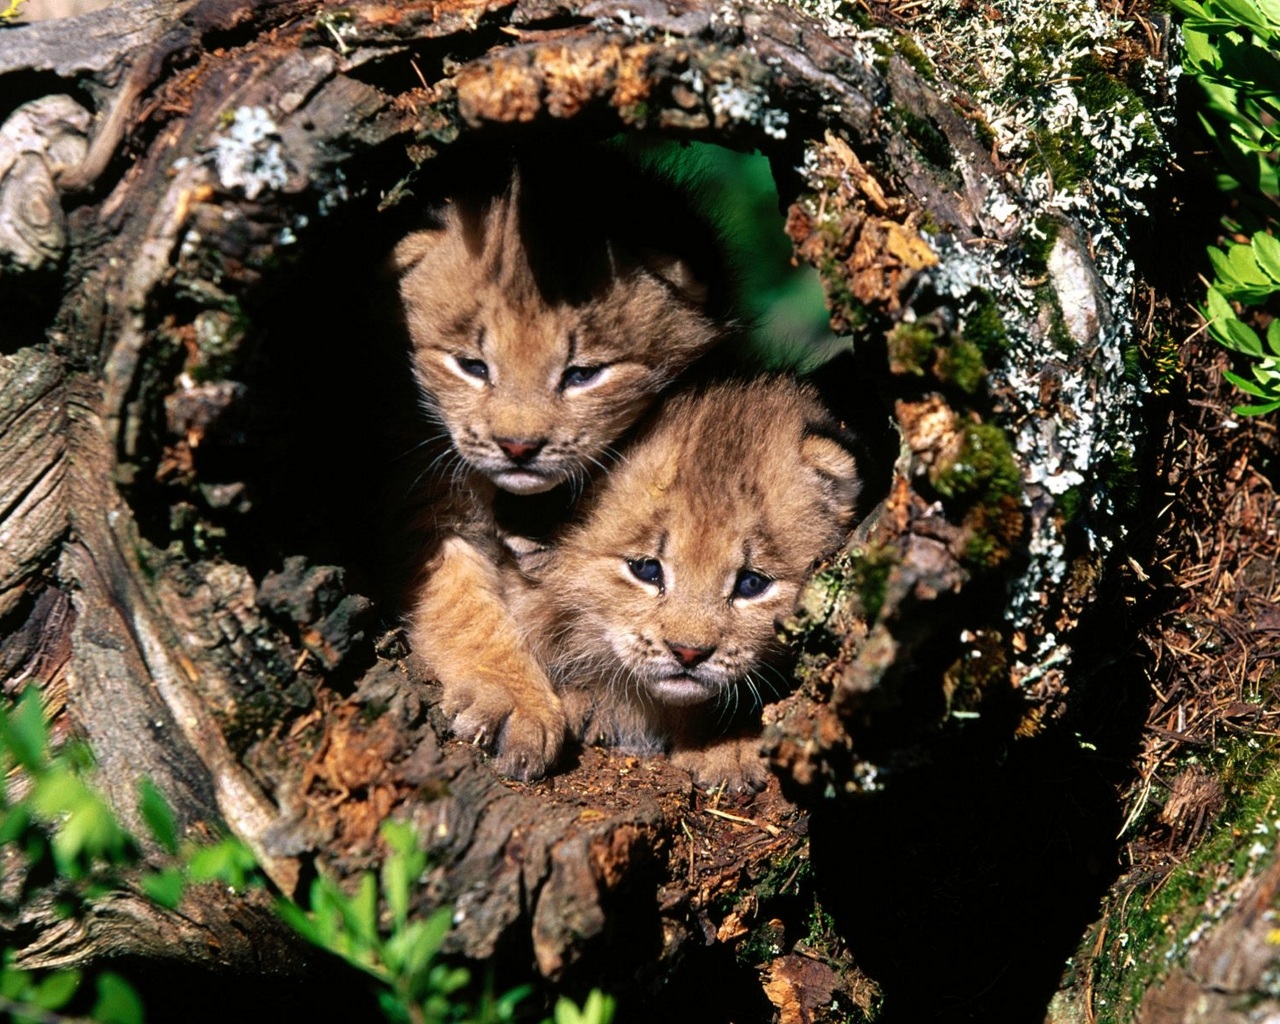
646, 570
751, 584
576, 376
476, 368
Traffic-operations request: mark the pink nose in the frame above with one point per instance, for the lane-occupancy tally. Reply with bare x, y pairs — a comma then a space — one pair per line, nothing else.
690, 656
519, 449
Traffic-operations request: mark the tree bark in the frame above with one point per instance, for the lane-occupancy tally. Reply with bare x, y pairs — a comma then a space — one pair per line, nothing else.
205, 164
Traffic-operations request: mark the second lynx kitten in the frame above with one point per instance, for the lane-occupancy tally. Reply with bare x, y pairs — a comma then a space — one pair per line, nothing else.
655, 616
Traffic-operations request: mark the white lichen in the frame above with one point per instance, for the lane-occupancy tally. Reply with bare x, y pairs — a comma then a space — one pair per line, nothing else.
1020, 65
734, 102
248, 153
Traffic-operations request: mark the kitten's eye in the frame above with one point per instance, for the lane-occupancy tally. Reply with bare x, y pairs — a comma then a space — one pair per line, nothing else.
751, 584
476, 368
576, 376
646, 570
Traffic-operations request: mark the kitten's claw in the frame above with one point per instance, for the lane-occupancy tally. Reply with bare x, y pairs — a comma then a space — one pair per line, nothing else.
525, 742
734, 764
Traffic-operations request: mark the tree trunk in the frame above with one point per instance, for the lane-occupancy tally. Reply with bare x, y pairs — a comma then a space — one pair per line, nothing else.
194, 197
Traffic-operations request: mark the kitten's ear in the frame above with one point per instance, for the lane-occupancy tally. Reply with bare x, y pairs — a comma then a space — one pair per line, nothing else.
679, 274
410, 249
823, 450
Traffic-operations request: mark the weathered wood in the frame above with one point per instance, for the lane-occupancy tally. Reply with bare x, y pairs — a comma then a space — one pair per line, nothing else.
33, 511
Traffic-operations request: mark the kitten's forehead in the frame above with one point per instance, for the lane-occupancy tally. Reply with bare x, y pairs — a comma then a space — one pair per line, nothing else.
722, 471
525, 339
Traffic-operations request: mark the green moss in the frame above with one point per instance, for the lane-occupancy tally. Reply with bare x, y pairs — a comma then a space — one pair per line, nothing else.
921, 348
1059, 335
868, 571
961, 364
911, 348
848, 315
1069, 503
983, 467
1037, 243
984, 328
1132, 356
1120, 476
1162, 353
1068, 157
1102, 91
1158, 919
1096, 87
929, 140
916, 57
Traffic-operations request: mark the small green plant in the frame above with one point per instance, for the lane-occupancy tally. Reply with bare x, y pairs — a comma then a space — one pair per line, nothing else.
372, 930
1236, 277
1233, 49
29, 997
68, 843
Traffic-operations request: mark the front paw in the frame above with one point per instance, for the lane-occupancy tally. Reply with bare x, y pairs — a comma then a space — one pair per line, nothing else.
524, 738
735, 764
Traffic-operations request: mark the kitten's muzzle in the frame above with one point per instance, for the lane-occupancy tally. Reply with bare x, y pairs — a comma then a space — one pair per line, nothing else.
689, 656
521, 451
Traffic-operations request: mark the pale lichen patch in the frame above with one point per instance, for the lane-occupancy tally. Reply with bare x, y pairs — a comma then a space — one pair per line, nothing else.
248, 154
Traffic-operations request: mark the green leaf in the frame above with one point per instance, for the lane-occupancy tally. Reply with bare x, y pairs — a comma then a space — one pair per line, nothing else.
56, 990
567, 1012
393, 1008
362, 911
1273, 336
1217, 307
1236, 336
14, 984
411, 949
23, 731
399, 836
158, 815
1266, 251
328, 913
1224, 271
1246, 385
14, 822
504, 1007
1245, 265
1257, 410
395, 887
301, 922
164, 887
117, 1002
1246, 14
401, 868
599, 1008
1200, 55
227, 861
90, 834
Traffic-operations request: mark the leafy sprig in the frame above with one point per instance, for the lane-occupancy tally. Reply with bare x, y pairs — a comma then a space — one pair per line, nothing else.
1233, 48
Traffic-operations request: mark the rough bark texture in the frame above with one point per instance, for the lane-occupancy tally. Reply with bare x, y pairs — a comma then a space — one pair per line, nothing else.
186, 185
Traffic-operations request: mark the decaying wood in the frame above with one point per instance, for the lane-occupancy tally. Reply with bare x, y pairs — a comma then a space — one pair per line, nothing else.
33, 511
264, 698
